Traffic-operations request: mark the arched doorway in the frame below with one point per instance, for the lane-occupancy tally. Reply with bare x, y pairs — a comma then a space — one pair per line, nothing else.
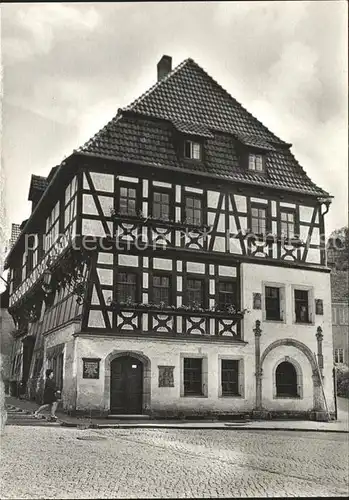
318, 402
286, 380
126, 385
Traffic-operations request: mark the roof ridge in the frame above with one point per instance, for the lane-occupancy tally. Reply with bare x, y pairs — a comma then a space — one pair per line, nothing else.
129, 107
234, 99
180, 66
157, 84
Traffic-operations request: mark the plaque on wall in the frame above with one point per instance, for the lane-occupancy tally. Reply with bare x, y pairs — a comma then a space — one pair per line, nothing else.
319, 307
166, 376
90, 367
257, 301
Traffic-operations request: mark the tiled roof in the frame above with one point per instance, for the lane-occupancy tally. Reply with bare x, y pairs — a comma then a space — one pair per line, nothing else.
189, 100
150, 142
37, 186
15, 232
39, 182
256, 142
188, 93
192, 128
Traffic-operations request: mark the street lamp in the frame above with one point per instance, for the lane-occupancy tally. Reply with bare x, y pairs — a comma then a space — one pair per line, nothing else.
47, 276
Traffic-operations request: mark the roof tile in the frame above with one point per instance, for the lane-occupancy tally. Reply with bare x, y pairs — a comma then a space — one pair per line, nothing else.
190, 101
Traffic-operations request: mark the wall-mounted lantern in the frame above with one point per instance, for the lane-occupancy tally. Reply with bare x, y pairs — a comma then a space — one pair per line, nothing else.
47, 276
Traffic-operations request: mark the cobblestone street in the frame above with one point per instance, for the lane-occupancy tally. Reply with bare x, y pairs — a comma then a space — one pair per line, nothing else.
56, 462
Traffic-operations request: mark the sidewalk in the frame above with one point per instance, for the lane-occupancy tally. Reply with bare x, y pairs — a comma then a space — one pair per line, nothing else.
340, 425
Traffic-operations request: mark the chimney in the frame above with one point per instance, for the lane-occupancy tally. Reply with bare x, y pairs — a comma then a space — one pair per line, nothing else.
164, 67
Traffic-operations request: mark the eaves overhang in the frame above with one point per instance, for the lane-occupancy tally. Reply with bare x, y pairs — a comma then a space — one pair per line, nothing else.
38, 208
259, 184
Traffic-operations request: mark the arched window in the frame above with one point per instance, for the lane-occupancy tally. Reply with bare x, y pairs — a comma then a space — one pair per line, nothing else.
286, 380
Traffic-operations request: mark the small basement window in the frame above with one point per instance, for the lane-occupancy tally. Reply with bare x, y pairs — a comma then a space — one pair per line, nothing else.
255, 162
193, 150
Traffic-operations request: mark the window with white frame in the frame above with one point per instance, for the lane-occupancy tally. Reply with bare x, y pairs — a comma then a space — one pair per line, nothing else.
193, 150
255, 162
70, 203
287, 224
128, 200
32, 252
193, 210
161, 205
258, 220
339, 355
52, 227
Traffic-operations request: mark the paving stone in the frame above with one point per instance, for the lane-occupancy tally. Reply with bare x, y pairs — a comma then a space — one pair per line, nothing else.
47, 462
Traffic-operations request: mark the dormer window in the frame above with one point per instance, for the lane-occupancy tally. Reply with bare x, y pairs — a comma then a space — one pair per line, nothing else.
193, 150
255, 162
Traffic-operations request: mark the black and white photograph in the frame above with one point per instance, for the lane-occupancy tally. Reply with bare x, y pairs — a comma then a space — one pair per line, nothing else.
174, 247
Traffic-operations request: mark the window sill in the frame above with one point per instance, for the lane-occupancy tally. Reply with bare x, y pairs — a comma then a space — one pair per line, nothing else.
194, 396
287, 397
231, 396
192, 160
305, 323
274, 321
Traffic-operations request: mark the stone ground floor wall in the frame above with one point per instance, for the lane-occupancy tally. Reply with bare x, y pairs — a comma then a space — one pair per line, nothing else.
93, 394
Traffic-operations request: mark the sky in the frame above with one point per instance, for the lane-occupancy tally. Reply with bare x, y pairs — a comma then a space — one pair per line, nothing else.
68, 67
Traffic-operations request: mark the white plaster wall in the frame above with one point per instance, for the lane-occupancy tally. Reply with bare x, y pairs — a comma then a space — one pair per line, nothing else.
101, 182
61, 335
65, 336
95, 227
162, 352
274, 358
306, 213
252, 278
212, 199
241, 203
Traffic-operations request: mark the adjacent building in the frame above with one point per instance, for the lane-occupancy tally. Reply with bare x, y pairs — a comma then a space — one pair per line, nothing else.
15, 232
173, 265
7, 329
337, 258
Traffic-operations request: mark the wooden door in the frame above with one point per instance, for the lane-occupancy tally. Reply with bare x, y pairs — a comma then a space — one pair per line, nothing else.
126, 386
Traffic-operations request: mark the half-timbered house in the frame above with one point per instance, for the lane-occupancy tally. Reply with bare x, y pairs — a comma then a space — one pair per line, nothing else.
174, 265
